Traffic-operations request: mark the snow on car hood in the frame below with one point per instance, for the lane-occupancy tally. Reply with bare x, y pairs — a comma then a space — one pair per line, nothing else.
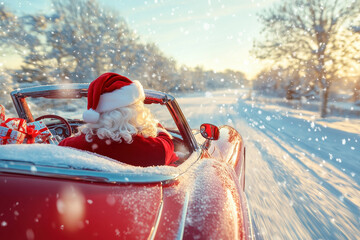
57, 156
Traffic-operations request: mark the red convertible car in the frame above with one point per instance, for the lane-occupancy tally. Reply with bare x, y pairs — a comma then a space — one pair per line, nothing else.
53, 192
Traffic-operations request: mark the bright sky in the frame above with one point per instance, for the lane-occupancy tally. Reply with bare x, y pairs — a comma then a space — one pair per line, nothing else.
215, 34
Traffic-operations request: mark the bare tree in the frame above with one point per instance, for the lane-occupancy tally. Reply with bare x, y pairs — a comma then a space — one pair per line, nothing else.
311, 33
356, 91
356, 85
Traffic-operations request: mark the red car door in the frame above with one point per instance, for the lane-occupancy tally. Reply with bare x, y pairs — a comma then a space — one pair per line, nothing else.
49, 208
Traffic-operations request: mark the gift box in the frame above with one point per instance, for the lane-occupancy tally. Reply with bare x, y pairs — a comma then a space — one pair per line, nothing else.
2, 114
10, 136
38, 132
16, 131
13, 131
17, 124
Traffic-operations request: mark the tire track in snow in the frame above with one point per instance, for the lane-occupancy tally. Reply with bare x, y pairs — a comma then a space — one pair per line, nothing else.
313, 160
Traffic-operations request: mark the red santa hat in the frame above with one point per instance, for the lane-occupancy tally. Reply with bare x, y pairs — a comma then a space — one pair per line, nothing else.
111, 91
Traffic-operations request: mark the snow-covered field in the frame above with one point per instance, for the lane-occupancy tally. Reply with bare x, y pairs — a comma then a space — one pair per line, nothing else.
303, 172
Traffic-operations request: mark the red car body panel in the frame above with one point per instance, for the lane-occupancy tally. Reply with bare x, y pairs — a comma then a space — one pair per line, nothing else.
63, 209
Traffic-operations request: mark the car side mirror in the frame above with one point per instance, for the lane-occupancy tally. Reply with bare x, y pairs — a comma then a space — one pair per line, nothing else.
209, 131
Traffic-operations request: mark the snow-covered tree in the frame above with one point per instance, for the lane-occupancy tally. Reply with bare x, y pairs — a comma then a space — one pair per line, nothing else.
315, 33
87, 40
21, 36
356, 91
270, 80
7, 85
79, 40
152, 67
35, 66
199, 79
12, 34
356, 86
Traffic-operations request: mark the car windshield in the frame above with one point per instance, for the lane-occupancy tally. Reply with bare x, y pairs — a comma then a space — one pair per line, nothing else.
66, 108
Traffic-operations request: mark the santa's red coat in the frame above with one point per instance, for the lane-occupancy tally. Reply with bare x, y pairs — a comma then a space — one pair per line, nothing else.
141, 152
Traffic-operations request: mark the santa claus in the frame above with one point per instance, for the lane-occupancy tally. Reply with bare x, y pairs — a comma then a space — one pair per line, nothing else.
119, 126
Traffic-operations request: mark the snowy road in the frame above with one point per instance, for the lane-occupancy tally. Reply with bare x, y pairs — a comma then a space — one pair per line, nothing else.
303, 176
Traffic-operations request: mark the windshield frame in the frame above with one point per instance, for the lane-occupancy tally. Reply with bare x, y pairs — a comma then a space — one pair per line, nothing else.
80, 90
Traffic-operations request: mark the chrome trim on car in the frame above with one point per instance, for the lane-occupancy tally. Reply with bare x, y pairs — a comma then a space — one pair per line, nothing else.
77, 90
157, 221
83, 175
71, 90
182, 125
180, 233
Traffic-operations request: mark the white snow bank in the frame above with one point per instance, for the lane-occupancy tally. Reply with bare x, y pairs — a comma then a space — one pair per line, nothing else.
338, 122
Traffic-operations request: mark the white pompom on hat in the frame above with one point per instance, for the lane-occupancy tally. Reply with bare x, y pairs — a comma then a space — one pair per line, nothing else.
111, 91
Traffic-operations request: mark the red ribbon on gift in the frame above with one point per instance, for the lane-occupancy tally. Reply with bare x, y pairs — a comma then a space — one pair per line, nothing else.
20, 126
31, 134
43, 136
5, 138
